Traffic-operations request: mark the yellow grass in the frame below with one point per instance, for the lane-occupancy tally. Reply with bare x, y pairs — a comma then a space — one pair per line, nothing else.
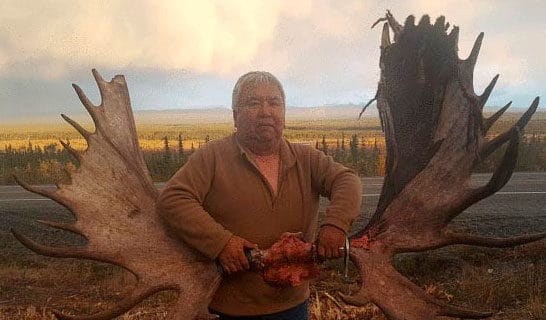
510, 283
151, 137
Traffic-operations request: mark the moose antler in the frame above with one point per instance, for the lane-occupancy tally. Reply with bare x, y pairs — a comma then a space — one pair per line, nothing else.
435, 136
113, 199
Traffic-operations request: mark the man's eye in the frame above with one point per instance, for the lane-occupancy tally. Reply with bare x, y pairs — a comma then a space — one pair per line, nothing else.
275, 103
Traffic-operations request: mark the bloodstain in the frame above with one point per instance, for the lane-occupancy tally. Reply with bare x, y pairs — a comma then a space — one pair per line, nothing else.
362, 242
289, 262
290, 274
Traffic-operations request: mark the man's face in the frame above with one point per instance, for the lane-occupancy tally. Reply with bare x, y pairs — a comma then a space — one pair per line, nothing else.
259, 115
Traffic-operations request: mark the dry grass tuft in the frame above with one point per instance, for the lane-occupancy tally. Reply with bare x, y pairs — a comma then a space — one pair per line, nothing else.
508, 282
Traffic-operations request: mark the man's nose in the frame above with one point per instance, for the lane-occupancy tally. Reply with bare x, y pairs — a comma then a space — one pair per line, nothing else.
266, 108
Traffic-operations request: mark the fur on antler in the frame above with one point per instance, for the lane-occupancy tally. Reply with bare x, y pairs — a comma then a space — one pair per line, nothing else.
435, 136
113, 199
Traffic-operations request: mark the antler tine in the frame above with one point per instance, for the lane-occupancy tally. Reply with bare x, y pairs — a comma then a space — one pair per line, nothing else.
491, 120
368, 104
101, 83
67, 252
396, 27
391, 21
385, 36
425, 20
89, 106
126, 304
494, 144
379, 20
452, 311
487, 92
440, 23
72, 151
410, 22
473, 57
522, 122
500, 177
86, 134
492, 242
453, 37
48, 194
60, 252
62, 226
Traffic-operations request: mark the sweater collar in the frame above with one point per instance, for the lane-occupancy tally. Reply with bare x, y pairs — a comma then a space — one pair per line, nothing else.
287, 157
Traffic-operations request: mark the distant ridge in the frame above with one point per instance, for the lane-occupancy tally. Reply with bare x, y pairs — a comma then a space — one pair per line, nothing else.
224, 115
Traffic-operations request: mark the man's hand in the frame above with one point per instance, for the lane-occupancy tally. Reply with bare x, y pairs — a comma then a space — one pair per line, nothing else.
331, 241
232, 257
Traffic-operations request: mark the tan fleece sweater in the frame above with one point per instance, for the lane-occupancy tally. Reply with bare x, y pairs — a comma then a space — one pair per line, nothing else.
220, 192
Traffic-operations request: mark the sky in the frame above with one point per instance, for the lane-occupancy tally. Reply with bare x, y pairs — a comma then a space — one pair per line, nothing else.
189, 54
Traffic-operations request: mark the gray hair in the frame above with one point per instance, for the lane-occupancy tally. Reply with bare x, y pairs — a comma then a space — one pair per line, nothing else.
254, 77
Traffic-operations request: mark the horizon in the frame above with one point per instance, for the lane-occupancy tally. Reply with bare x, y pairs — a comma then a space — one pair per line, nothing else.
222, 114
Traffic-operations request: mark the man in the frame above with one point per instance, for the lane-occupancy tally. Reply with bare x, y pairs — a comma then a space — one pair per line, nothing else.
246, 190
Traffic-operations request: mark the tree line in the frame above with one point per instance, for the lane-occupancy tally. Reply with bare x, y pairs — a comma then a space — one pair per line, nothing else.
49, 164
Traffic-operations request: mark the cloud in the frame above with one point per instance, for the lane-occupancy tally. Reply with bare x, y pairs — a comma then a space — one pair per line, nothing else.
190, 53
48, 38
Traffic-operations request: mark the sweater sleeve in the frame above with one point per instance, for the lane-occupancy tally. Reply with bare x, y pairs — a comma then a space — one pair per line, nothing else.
180, 205
341, 185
